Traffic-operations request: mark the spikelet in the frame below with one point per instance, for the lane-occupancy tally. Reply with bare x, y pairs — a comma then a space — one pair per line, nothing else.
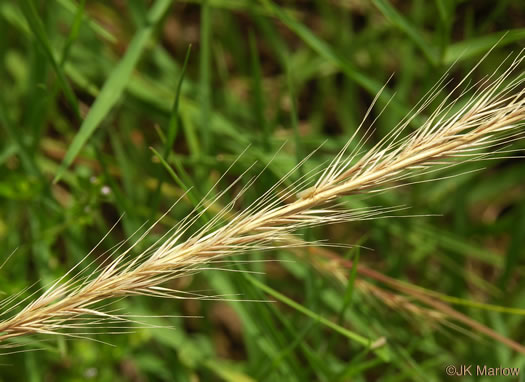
486, 122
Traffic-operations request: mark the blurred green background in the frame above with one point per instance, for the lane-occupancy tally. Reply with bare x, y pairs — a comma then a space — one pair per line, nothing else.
87, 98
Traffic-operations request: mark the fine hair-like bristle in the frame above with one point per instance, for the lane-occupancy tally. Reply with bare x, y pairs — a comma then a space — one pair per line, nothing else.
489, 118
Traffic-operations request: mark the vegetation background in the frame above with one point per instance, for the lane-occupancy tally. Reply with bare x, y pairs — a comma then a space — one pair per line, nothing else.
88, 92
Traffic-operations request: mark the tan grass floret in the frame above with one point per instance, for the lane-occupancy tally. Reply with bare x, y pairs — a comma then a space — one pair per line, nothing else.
461, 129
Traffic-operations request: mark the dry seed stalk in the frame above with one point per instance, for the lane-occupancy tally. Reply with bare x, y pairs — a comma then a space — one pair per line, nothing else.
491, 118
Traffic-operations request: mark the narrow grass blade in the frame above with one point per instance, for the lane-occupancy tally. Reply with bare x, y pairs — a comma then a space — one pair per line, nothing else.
258, 102
71, 7
480, 45
410, 30
381, 352
172, 128
515, 250
179, 182
205, 75
347, 299
25, 156
324, 50
73, 34
114, 86
294, 120
39, 32
173, 124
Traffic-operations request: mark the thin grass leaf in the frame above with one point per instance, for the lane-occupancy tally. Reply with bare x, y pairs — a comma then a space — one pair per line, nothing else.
477, 46
382, 352
71, 7
259, 105
324, 50
205, 76
410, 30
358, 368
114, 86
25, 156
39, 32
173, 123
179, 181
172, 129
515, 250
349, 292
227, 373
271, 343
73, 34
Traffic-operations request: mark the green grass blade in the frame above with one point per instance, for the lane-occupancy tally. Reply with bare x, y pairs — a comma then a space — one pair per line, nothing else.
181, 184
173, 124
39, 32
114, 86
406, 27
324, 50
515, 250
381, 352
258, 93
205, 57
73, 34
294, 119
480, 45
71, 7
172, 129
25, 156
347, 299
